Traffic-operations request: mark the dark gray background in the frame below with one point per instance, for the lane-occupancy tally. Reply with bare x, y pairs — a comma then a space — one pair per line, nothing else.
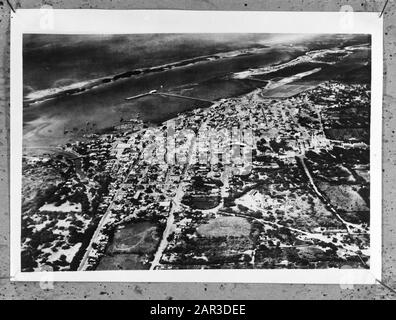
9, 290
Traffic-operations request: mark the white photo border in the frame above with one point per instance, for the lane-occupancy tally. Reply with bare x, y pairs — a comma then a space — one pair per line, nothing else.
86, 21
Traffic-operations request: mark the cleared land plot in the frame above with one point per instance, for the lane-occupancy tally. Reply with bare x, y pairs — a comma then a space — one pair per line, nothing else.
121, 262
225, 226
286, 91
297, 207
140, 237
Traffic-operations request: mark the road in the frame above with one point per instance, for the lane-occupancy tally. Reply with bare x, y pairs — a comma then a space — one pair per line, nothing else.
103, 220
176, 202
321, 236
169, 223
346, 224
101, 224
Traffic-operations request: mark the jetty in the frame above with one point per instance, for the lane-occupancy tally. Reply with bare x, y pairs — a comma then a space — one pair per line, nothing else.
166, 94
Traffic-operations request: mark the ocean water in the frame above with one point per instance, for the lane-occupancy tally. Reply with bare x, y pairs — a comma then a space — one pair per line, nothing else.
45, 123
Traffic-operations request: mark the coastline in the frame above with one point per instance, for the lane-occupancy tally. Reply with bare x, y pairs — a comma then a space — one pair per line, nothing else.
79, 87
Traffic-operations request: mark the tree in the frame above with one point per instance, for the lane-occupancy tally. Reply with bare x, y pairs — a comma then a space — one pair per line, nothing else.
27, 261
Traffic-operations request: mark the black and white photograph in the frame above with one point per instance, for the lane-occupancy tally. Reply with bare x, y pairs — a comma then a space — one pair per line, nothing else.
201, 152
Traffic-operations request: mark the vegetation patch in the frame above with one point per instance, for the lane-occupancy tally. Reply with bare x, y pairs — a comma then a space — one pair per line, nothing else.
344, 197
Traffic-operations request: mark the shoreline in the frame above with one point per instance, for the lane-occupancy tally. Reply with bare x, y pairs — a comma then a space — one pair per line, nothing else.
79, 87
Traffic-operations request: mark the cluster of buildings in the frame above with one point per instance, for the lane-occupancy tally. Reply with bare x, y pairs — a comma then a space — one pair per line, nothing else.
208, 163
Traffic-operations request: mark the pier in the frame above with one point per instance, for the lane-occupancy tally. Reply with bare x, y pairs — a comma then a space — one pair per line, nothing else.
164, 94
138, 96
182, 97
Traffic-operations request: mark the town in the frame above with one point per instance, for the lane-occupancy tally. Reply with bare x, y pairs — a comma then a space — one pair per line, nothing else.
250, 182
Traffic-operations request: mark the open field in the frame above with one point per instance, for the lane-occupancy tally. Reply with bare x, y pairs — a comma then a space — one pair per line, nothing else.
121, 262
129, 246
225, 226
140, 237
295, 207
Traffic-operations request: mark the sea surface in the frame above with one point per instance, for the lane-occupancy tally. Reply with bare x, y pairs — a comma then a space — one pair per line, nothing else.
67, 118
105, 106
